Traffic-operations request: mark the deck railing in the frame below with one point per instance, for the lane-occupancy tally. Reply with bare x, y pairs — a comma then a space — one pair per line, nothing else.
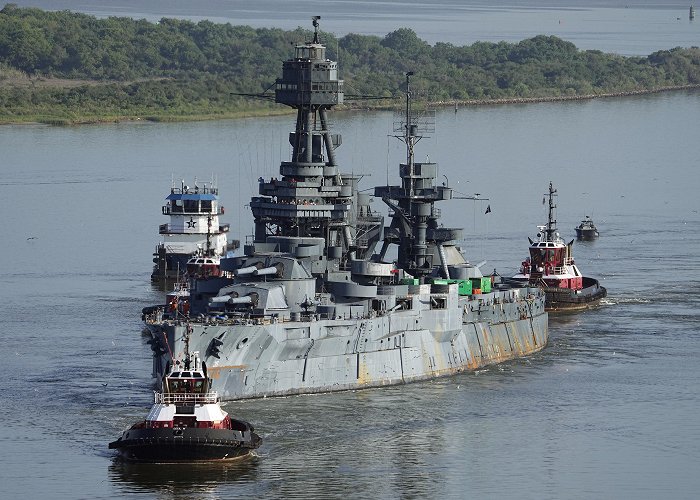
177, 398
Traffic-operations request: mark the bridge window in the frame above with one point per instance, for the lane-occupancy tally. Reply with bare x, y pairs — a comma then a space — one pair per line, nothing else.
191, 205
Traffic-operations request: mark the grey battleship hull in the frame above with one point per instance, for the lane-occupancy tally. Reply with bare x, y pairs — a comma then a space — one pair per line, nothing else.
279, 359
315, 303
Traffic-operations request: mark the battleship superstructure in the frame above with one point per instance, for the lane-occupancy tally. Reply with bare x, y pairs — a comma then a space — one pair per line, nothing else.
193, 231
310, 307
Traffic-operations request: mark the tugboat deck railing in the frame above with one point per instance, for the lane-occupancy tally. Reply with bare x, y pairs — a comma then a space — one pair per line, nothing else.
178, 398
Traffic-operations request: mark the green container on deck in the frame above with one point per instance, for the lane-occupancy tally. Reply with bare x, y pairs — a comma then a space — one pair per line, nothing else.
483, 284
464, 288
409, 281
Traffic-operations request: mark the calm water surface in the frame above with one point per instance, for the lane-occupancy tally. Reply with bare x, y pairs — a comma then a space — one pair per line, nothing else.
608, 410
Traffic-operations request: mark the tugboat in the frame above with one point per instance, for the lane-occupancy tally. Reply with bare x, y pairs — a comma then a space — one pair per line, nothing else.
186, 422
312, 307
193, 231
586, 230
551, 266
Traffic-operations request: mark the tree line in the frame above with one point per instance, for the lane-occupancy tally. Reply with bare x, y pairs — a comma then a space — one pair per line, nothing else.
176, 68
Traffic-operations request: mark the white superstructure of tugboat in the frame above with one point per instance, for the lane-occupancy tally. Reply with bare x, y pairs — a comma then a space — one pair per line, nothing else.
194, 231
311, 307
586, 230
186, 422
551, 266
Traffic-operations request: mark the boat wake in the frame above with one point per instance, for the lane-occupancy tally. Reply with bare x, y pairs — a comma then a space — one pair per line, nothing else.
612, 301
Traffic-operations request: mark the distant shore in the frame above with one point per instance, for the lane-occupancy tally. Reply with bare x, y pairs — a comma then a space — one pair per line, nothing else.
524, 100
258, 113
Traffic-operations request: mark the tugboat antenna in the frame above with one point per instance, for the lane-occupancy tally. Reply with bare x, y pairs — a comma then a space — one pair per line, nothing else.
186, 338
551, 221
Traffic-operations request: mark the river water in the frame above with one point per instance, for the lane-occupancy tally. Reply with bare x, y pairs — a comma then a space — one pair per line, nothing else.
608, 410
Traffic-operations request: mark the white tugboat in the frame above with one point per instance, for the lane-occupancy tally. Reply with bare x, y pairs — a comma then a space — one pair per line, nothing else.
186, 422
194, 230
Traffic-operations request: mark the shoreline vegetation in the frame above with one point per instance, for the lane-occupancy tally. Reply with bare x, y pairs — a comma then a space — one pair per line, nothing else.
64, 68
48, 119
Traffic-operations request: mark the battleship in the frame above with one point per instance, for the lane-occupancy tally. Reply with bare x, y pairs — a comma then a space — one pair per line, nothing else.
551, 266
193, 232
314, 304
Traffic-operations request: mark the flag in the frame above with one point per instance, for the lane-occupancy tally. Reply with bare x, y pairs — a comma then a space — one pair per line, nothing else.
488, 210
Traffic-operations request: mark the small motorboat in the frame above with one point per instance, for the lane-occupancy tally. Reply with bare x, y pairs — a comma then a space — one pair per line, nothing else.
186, 423
586, 230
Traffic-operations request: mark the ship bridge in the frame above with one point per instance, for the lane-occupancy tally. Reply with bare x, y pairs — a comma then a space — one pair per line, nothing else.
311, 197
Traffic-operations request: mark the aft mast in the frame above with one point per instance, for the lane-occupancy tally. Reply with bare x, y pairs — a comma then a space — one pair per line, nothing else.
415, 228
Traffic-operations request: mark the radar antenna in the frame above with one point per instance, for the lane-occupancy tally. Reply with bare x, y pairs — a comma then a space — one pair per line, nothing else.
411, 125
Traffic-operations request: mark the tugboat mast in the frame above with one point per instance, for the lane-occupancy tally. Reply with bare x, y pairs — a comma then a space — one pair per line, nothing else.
551, 220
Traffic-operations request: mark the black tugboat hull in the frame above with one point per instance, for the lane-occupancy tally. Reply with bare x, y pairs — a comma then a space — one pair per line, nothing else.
566, 300
586, 234
185, 445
